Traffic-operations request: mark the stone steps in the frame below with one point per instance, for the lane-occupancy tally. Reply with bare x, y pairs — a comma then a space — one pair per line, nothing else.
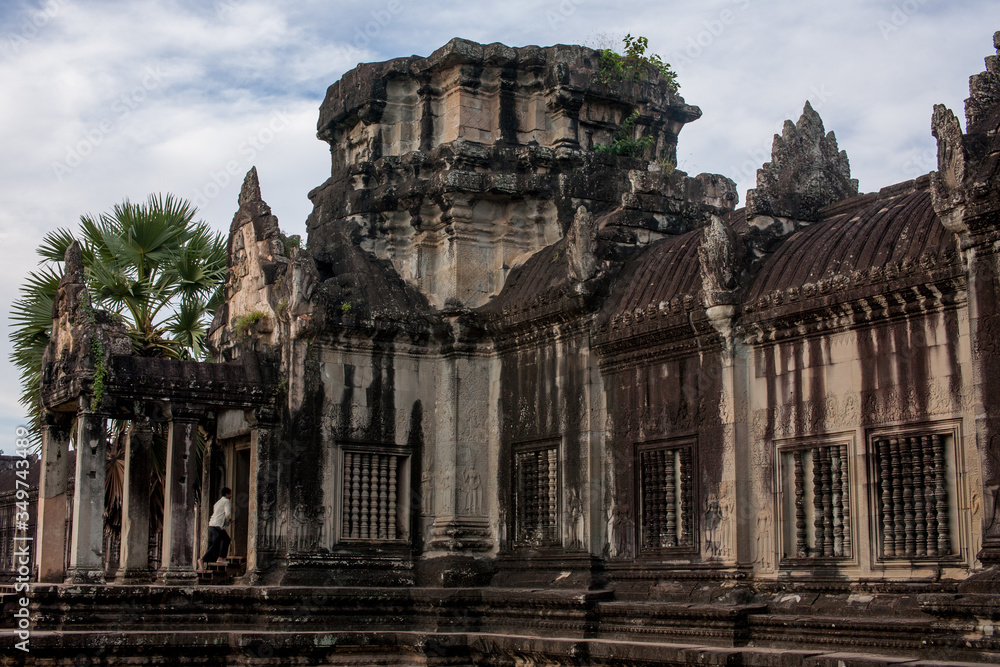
586, 623
402, 648
222, 573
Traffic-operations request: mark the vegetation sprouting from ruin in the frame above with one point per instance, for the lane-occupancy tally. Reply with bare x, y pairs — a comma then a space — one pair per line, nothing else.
623, 143
635, 65
242, 324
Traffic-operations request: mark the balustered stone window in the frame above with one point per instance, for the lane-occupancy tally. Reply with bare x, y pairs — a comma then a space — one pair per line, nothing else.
665, 483
536, 496
914, 495
816, 501
373, 497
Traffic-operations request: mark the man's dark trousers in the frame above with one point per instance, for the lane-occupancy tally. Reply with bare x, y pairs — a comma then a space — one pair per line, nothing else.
218, 544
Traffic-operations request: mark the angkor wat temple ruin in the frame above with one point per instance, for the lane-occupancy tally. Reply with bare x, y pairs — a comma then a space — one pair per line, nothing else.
520, 401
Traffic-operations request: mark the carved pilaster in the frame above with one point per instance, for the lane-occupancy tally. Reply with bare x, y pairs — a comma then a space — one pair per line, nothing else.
177, 562
456, 529
966, 196
50, 554
265, 536
134, 560
86, 560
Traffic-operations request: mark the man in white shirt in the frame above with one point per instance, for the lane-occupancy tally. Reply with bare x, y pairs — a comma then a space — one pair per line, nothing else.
218, 538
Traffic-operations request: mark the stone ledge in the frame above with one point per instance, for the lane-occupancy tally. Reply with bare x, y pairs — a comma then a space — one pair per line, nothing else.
418, 648
124, 615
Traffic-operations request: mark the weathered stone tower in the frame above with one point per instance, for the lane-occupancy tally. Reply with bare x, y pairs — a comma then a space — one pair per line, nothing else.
450, 173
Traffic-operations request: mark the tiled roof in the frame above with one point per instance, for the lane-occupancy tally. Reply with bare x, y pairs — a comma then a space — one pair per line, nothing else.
898, 228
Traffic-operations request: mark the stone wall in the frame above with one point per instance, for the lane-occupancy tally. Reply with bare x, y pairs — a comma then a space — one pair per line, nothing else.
577, 370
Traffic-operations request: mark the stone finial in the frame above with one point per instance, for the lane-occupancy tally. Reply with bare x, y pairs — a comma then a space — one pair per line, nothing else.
965, 189
580, 241
984, 91
717, 254
73, 269
250, 192
806, 172
947, 191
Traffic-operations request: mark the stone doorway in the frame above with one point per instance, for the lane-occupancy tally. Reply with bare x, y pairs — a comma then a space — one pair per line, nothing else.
234, 472
241, 498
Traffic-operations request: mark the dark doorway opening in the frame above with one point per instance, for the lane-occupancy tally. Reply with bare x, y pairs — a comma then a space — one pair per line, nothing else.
241, 496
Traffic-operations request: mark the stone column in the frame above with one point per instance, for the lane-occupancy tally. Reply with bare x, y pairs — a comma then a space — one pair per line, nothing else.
984, 328
741, 481
208, 462
728, 540
262, 508
450, 277
177, 562
50, 534
86, 560
134, 561
461, 529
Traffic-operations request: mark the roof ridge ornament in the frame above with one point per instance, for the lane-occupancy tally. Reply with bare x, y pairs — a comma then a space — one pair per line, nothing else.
807, 171
965, 186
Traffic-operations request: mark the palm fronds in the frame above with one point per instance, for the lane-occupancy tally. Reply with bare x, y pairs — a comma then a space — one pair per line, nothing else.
151, 263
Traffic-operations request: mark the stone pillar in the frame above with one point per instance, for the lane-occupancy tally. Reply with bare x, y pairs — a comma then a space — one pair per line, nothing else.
728, 538
740, 484
262, 508
134, 562
461, 528
50, 534
86, 560
208, 461
177, 562
984, 328
450, 276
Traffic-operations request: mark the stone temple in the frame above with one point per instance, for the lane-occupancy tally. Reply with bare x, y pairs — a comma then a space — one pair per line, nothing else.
519, 401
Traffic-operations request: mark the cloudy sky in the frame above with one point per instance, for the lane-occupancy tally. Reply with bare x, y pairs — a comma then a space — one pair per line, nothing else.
106, 100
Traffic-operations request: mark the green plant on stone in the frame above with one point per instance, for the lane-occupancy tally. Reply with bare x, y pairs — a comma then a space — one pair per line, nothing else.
293, 241
622, 142
666, 165
100, 372
345, 308
635, 65
243, 323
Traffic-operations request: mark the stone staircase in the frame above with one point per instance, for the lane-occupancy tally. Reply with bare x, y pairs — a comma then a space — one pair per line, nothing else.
460, 627
222, 573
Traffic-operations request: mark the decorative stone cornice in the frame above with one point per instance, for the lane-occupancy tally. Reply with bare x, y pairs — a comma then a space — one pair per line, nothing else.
878, 276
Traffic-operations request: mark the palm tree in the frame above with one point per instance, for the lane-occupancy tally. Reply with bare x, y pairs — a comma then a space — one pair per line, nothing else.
151, 263
159, 270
